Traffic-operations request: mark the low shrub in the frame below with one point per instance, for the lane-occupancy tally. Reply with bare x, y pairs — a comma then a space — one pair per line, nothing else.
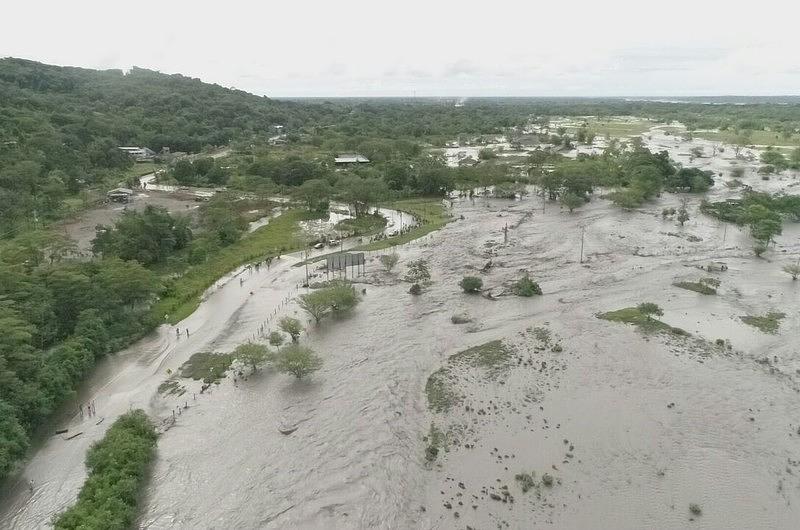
526, 287
275, 338
698, 287
471, 284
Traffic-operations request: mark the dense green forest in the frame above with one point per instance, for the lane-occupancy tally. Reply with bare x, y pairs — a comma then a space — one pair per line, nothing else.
59, 132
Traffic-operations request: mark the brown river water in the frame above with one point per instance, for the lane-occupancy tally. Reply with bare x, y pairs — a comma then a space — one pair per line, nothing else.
652, 424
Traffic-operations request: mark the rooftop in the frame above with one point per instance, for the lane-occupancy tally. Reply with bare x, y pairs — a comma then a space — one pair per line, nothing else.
350, 158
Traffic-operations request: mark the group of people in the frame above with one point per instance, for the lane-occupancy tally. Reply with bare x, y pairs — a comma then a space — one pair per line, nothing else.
178, 332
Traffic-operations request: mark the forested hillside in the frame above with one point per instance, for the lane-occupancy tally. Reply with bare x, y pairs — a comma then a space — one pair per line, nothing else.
60, 128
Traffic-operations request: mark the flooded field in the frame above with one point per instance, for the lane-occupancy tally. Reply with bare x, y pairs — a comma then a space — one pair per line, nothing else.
83, 229
631, 430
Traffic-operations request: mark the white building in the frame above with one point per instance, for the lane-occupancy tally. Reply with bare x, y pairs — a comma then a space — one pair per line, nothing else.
140, 154
351, 158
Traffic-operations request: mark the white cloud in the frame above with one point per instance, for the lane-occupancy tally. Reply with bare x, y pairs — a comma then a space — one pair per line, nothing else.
355, 47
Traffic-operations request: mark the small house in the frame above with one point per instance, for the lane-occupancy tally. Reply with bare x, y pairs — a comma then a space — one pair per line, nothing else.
120, 195
139, 154
350, 159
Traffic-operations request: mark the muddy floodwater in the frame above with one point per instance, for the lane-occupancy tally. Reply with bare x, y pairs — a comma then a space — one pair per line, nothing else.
632, 429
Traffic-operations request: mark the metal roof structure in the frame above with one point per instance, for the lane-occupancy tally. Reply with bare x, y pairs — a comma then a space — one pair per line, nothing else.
351, 158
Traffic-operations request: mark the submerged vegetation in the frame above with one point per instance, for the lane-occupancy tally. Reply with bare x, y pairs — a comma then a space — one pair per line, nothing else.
436, 441
209, 367
704, 286
768, 323
762, 213
297, 360
641, 316
492, 355
441, 393
526, 287
338, 298
471, 284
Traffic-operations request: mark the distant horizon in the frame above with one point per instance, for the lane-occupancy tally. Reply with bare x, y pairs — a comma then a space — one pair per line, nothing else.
658, 98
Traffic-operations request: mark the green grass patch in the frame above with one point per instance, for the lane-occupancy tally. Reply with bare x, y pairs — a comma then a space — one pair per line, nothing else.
436, 440
171, 387
429, 213
183, 296
117, 467
768, 323
542, 334
439, 390
140, 169
208, 366
493, 354
645, 323
698, 287
365, 225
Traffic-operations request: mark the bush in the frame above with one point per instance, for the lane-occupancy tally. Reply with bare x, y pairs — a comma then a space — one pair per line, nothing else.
415, 289
418, 272
572, 200
649, 308
471, 284
298, 361
117, 467
627, 199
275, 338
292, 326
526, 287
209, 367
389, 261
486, 154
792, 270
339, 297
526, 481
698, 287
251, 354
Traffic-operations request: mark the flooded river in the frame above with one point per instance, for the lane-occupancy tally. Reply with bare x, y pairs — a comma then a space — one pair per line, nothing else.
650, 424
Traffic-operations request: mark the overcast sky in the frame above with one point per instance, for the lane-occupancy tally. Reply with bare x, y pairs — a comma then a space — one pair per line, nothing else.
430, 47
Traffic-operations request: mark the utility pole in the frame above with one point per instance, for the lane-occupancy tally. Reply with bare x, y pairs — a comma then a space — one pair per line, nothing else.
583, 231
306, 260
